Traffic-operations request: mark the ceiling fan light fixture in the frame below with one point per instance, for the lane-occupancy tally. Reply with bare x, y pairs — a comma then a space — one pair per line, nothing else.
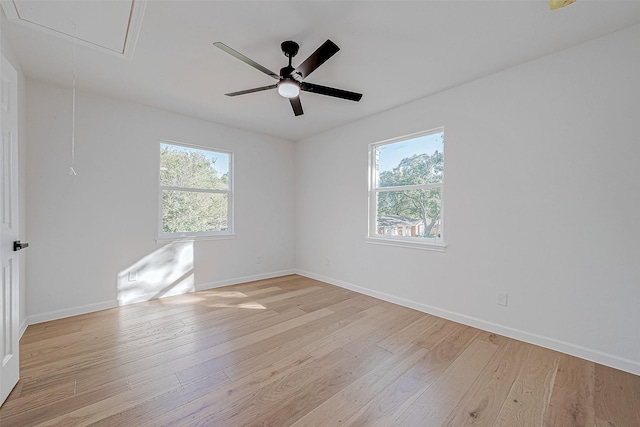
288, 88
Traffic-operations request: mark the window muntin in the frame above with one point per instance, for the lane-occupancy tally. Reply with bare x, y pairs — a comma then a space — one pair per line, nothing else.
407, 176
195, 191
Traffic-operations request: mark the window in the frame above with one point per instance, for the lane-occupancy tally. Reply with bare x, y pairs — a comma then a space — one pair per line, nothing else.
195, 191
406, 185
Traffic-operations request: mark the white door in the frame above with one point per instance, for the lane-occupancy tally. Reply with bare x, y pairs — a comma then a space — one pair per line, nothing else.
9, 287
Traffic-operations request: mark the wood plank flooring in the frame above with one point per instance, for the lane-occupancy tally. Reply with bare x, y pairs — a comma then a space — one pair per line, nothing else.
292, 351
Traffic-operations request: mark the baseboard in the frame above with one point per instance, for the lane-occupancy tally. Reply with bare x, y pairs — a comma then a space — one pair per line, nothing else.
68, 312
75, 311
23, 327
542, 341
237, 280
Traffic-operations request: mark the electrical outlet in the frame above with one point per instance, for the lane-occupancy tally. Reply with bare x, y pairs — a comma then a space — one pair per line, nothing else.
259, 260
327, 263
133, 276
502, 298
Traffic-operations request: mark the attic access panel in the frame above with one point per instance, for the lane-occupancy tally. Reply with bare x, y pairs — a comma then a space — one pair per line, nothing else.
108, 26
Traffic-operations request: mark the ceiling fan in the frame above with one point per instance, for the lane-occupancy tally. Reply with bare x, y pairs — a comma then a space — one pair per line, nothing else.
291, 80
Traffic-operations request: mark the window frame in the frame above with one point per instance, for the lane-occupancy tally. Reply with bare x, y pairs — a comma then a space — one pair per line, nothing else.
434, 244
199, 235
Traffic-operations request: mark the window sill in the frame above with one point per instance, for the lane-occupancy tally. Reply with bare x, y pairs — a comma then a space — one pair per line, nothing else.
161, 240
427, 246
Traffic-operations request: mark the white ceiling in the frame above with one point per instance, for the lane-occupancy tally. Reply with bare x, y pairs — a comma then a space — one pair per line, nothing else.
391, 51
99, 25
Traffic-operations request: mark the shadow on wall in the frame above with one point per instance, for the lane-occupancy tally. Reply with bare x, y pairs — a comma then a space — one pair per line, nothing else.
165, 272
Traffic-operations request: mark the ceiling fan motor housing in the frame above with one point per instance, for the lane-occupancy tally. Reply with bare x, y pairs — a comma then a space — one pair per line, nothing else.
286, 71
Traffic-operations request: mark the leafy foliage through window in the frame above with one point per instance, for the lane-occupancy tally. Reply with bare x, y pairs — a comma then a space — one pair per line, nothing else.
195, 191
406, 188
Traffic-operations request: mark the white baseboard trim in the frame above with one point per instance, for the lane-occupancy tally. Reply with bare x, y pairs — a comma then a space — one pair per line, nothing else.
531, 338
235, 281
68, 312
75, 311
23, 327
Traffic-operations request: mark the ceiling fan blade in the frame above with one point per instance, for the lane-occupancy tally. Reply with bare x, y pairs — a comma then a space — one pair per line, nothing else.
317, 58
296, 105
246, 60
330, 91
257, 89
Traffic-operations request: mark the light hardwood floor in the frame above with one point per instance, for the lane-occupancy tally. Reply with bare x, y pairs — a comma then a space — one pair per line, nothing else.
295, 351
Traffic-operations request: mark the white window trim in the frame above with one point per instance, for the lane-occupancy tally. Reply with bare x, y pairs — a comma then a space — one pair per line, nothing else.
162, 240
406, 242
163, 237
434, 244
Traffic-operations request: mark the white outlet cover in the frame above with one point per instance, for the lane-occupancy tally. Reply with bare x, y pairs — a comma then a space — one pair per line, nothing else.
502, 298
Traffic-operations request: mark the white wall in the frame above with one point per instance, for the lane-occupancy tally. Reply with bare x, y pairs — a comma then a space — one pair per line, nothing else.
542, 200
86, 231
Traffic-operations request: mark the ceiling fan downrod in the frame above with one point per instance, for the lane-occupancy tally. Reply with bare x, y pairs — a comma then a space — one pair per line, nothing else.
290, 49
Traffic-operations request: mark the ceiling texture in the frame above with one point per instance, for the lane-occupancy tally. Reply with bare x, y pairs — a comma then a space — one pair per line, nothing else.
161, 53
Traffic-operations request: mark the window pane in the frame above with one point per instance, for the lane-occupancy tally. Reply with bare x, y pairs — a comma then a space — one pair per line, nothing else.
413, 161
187, 212
412, 213
193, 168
